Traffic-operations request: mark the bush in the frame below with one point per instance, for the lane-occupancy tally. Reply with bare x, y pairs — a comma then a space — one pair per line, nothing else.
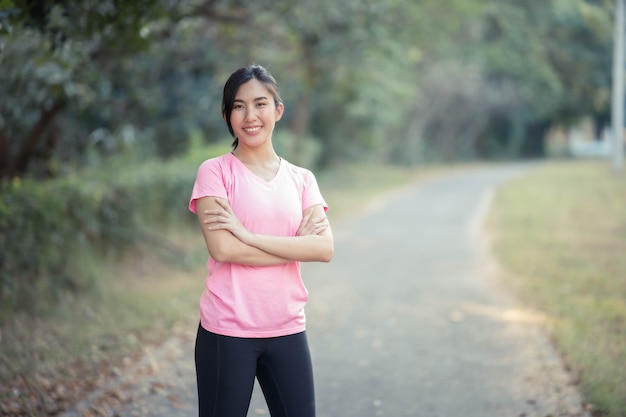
44, 225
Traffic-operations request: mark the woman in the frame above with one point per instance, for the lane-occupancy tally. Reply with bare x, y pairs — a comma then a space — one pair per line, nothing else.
260, 216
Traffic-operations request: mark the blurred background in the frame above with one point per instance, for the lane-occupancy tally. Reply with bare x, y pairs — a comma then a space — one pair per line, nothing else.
108, 106
393, 81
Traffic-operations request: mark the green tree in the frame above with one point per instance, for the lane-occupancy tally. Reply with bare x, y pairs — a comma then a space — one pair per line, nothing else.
358, 63
395, 80
53, 54
550, 62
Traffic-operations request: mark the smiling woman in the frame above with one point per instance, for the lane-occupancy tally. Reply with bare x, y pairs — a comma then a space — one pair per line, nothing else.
260, 216
252, 119
233, 97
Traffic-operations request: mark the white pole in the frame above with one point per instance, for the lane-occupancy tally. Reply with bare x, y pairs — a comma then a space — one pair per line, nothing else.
618, 89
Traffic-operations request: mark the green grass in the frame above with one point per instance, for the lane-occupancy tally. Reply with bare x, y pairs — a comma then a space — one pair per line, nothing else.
560, 234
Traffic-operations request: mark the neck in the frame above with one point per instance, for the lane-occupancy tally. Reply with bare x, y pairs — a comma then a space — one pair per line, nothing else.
256, 156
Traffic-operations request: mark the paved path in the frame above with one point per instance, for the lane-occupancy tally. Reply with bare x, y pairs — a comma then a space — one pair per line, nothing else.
407, 320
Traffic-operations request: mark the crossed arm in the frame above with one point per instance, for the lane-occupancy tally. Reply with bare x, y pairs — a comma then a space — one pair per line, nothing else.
229, 241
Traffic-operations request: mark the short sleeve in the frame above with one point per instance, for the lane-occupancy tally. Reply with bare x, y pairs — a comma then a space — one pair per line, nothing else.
312, 195
210, 181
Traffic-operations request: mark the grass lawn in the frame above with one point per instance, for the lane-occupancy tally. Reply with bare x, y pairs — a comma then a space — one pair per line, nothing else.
560, 235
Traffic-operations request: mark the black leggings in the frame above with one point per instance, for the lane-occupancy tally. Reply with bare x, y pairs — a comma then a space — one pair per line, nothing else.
226, 367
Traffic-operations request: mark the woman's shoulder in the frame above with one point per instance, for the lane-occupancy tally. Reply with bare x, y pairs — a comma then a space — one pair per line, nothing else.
217, 162
296, 170
216, 167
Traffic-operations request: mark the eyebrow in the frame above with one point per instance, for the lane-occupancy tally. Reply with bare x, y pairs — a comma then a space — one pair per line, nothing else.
238, 100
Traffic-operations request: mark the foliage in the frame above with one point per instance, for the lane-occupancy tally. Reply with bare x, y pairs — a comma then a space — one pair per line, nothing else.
43, 225
53, 54
516, 69
550, 64
369, 79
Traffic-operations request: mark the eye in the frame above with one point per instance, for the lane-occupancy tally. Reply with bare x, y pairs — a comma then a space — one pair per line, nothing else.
237, 106
262, 104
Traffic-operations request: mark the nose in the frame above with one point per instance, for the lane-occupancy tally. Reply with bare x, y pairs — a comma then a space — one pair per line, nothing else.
250, 113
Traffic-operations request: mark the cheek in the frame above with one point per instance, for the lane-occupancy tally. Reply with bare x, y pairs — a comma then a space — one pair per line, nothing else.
270, 114
235, 119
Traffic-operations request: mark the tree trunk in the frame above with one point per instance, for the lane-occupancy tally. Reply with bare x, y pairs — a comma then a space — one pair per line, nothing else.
302, 112
4, 153
29, 144
412, 152
301, 120
534, 146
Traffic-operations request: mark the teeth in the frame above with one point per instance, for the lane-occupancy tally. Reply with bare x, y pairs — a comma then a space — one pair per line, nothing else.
252, 129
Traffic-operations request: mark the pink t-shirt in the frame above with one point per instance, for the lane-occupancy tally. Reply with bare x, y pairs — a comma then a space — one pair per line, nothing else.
251, 301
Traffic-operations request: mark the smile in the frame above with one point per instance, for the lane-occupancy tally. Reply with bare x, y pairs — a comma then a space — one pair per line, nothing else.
252, 129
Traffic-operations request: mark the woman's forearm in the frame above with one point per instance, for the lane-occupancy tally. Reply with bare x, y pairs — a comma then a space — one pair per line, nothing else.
236, 251
309, 248
223, 246
313, 242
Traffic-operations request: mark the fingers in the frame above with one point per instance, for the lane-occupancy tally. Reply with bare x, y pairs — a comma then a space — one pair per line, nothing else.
215, 222
224, 204
223, 212
310, 226
320, 221
321, 224
303, 225
214, 217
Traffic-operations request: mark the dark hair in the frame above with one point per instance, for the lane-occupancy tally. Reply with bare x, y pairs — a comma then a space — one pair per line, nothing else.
242, 76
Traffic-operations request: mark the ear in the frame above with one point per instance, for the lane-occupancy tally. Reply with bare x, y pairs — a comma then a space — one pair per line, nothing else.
224, 116
280, 109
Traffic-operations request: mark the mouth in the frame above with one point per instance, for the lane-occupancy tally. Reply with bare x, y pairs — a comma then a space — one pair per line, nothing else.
252, 129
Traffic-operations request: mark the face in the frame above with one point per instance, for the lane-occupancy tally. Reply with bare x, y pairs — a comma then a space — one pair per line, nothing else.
254, 114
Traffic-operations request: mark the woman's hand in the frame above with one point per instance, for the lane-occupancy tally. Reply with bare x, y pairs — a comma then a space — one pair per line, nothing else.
312, 226
224, 219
